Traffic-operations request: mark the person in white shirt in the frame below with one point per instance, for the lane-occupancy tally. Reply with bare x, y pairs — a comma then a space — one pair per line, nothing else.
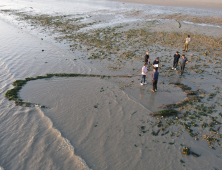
186, 43
156, 63
144, 73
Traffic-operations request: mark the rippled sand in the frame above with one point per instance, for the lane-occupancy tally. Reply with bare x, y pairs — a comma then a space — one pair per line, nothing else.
91, 122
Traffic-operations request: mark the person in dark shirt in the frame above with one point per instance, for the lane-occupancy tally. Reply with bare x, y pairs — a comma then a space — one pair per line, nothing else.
184, 61
155, 75
156, 62
176, 60
146, 58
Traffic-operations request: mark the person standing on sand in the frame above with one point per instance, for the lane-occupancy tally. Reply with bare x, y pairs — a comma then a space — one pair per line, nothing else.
155, 75
182, 64
144, 73
176, 60
146, 58
156, 62
186, 43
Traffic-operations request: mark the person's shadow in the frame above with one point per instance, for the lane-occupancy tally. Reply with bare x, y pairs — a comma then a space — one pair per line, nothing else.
176, 79
142, 92
151, 101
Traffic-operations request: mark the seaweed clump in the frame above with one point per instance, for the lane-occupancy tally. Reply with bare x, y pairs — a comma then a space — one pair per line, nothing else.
12, 94
165, 113
186, 151
188, 100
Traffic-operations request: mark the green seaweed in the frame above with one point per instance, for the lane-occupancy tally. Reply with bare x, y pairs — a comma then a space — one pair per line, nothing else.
186, 150
142, 127
172, 143
155, 133
12, 94
182, 161
165, 113
165, 133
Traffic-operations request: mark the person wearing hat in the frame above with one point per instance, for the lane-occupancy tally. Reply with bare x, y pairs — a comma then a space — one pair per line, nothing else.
176, 60
156, 63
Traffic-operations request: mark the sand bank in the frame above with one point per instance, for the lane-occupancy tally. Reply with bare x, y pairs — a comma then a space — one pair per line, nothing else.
107, 122
207, 4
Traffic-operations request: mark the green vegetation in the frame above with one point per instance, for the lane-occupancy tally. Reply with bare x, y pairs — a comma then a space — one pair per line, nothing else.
186, 150
182, 161
12, 94
165, 113
188, 100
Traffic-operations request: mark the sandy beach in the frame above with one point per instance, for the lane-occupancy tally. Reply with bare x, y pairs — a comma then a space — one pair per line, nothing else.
71, 96
202, 4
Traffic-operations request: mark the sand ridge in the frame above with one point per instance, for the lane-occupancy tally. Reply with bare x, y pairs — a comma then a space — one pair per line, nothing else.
203, 4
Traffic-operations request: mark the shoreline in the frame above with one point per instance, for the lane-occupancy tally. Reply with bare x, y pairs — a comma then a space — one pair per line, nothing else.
105, 122
215, 5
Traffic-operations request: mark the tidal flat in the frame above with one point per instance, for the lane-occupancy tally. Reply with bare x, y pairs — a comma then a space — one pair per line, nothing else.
183, 115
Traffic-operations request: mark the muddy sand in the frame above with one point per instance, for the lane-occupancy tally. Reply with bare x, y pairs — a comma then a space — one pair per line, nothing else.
111, 120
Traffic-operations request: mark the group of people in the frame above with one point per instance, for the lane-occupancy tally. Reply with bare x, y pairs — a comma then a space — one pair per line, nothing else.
155, 72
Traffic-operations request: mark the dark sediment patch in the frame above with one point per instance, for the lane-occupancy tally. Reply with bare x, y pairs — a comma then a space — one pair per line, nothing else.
165, 113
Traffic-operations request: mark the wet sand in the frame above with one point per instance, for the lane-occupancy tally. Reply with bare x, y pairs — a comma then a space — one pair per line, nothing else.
202, 4
102, 117
105, 123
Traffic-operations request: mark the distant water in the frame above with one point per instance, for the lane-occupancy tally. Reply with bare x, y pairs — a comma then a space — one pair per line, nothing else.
84, 8
28, 138
93, 6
